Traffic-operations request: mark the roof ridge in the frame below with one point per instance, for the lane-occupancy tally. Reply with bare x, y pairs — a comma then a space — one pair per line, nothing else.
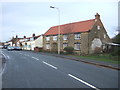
73, 23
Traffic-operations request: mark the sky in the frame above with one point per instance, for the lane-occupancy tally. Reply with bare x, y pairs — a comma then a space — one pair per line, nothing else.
24, 18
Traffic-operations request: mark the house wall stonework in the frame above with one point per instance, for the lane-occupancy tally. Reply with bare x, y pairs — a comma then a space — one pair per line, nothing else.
95, 32
84, 43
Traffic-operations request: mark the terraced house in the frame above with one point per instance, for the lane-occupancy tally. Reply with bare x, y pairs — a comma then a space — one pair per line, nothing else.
29, 43
84, 36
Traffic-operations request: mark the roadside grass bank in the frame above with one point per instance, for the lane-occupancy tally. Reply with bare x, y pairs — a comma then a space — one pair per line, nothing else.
102, 57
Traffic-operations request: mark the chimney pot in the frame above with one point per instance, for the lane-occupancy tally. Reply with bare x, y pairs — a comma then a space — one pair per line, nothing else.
33, 35
97, 16
24, 36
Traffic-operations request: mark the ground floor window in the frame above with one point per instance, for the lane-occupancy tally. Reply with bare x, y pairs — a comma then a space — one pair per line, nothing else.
77, 46
65, 45
47, 46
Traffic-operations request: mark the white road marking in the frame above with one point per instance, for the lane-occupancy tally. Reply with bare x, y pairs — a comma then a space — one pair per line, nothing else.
25, 54
35, 58
49, 65
8, 57
3, 70
3, 55
83, 82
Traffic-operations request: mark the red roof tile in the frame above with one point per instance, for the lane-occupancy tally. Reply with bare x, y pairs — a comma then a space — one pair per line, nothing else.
75, 27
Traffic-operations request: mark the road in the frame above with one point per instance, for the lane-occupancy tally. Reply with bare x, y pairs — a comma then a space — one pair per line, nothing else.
26, 69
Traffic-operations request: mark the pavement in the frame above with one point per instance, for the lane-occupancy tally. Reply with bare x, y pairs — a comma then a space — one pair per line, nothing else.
27, 69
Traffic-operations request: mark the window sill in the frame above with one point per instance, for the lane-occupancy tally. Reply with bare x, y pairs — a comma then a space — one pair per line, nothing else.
77, 49
77, 39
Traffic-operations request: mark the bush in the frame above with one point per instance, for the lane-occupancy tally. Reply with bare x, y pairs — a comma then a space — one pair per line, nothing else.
69, 49
116, 51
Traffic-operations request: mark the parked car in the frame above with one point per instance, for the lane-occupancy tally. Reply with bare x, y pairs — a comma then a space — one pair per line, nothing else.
5, 46
1, 47
17, 48
10, 48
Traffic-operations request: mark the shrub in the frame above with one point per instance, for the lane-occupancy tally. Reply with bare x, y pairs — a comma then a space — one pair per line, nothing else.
116, 51
69, 49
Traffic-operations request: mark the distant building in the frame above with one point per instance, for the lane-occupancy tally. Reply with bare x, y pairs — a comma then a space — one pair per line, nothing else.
29, 43
83, 36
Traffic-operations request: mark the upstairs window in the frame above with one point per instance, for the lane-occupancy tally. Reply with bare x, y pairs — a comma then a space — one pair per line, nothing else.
54, 38
65, 37
47, 38
77, 36
104, 36
31, 39
98, 27
25, 39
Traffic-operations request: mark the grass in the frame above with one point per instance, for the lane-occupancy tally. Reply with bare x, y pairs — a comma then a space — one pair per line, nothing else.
103, 57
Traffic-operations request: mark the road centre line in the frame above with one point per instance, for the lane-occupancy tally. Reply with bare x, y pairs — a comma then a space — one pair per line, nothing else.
83, 82
25, 54
35, 58
49, 65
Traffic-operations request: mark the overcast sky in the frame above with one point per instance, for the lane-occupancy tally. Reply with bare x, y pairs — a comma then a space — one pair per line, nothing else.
26, 18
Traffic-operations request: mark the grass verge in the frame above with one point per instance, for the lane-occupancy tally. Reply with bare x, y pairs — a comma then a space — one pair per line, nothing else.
103, 57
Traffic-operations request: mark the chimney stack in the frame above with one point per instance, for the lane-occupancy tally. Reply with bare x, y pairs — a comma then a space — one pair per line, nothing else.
97, 16
24, 36
16, 36
33, 35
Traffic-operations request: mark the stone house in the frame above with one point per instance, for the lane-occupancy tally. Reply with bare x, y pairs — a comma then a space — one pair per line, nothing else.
84, 36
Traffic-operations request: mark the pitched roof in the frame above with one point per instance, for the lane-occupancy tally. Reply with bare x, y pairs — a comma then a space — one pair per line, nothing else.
75, 27
28, 38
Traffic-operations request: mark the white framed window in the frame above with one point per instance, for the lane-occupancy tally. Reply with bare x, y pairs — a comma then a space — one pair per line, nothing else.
104, 36
47, 38
98, 27
31, 39
77, 46
65, 37
47, 46
65, 45
54, 38
77, 36
25, 39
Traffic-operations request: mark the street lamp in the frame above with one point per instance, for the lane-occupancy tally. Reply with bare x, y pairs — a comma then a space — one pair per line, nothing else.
58, 27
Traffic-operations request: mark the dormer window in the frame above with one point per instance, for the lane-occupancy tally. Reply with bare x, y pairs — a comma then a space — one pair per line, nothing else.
98, 27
